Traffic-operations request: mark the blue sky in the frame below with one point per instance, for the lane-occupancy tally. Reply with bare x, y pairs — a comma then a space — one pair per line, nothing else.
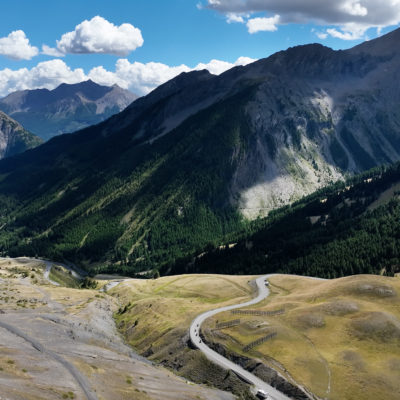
174, 33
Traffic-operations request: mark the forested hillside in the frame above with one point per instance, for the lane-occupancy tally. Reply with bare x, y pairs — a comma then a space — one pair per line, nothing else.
345, 229
188, 167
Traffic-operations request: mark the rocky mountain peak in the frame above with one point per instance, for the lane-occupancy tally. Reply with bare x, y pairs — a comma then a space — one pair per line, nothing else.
183, 81
14, 138
67, 108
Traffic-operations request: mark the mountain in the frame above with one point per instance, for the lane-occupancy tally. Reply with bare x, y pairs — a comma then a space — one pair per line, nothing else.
14, 138
67, 108
347, 228
189, 165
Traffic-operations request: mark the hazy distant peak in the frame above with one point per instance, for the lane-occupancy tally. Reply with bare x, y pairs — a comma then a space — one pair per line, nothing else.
67, 108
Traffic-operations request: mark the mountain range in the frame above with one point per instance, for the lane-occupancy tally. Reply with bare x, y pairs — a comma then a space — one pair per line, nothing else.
67, 108
189, 165
14, 138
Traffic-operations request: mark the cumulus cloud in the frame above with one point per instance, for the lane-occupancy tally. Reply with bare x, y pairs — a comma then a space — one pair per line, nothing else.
351, 18
48, 74
51, 51
217, 67
101, 36
321, 35
16, 46
255, 25
232, 18
138, 77
346, 35
142, 78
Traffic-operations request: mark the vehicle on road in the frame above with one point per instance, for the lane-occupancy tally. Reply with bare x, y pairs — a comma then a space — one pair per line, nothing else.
247, 376
262, 394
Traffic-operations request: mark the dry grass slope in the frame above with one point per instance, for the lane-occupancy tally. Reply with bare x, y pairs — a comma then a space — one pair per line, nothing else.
339, 338
155, 316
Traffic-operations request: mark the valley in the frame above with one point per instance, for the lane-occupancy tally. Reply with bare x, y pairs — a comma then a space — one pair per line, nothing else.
331, 338
231, 231
193, 163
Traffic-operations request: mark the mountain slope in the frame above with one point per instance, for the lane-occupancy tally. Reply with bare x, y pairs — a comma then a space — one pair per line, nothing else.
344, 229
182, 167
67, 108
14, 138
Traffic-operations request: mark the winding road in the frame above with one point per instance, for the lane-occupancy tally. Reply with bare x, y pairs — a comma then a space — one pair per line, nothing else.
46, 273
213, 356
194, 331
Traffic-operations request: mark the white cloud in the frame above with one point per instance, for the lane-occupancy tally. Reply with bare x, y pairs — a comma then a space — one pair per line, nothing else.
354, 34
322, 35
51, 51
354, 7
16, 46
138, 77
142, 78
217, 67
255, 25
101, 36
350, 18
234, 18
48, 74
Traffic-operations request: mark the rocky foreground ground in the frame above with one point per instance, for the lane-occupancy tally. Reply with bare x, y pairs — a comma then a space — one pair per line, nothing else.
59, 343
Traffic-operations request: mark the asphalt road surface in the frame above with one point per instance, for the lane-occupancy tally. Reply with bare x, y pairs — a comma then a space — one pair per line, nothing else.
213, 356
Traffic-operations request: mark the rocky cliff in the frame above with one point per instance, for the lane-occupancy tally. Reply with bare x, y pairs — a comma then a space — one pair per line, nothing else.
14, 138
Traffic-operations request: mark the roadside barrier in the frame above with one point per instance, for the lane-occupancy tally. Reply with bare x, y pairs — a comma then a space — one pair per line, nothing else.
258, 312
259, 341
227, 324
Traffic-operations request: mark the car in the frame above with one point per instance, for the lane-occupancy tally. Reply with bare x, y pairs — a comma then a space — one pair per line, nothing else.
262, 394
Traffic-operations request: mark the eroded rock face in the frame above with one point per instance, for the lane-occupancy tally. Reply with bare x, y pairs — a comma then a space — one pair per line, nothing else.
311, 115
14, 138
316, 115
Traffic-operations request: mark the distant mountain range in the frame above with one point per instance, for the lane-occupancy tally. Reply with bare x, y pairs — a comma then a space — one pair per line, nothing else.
14, 138
186, 167
67, 108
